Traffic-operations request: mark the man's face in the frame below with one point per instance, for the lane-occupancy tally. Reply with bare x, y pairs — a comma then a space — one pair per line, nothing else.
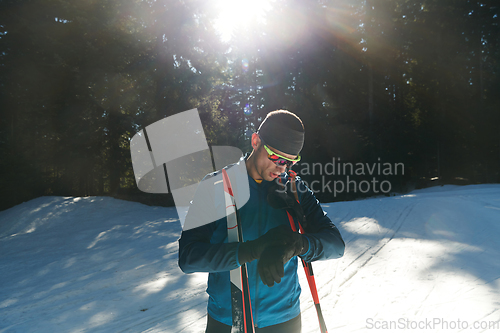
266, 168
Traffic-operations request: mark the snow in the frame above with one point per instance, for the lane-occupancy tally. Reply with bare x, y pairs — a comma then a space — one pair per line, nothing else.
424, 260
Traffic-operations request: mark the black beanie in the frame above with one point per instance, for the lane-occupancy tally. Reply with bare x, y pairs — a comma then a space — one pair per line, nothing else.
283, 131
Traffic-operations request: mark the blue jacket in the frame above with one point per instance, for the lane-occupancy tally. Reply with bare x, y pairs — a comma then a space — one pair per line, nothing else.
205, 249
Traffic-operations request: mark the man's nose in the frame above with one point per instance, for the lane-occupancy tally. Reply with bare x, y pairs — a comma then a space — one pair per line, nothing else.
282, 168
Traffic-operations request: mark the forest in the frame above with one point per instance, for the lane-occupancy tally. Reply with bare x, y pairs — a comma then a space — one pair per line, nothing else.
413, 86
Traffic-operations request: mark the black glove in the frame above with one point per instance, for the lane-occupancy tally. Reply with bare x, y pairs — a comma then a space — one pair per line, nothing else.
251, 250
273, 259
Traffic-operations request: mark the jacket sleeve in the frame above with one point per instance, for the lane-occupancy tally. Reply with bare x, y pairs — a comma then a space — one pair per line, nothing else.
197, 254
198, 251
325, 241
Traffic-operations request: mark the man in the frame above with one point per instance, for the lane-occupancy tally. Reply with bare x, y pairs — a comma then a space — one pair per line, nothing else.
271, 247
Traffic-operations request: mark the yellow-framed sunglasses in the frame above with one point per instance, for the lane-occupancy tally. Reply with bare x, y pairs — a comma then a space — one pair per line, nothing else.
277, 158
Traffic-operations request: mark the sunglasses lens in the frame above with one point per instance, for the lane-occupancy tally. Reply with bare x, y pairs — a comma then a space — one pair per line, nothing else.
279, 161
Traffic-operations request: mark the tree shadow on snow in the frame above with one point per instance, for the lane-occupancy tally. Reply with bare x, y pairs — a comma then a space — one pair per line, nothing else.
456, 231
98, 265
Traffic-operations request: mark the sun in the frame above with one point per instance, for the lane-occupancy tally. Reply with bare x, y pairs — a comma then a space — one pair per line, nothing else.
238, 13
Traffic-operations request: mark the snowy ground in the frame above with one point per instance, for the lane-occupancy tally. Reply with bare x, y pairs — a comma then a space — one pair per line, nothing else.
426, 260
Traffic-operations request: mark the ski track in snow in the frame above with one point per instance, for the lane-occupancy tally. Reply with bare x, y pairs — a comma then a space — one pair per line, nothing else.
98, 264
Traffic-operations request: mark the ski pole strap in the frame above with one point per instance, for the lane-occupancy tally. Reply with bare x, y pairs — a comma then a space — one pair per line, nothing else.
296, 207
292, 224
293, 174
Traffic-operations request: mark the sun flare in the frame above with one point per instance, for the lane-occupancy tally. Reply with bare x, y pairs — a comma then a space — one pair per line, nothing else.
238, 13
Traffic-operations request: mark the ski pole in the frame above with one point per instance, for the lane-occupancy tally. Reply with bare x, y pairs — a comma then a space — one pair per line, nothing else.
240, 291
310, 280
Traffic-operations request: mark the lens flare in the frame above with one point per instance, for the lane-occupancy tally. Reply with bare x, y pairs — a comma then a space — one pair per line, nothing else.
244, 65
247, 110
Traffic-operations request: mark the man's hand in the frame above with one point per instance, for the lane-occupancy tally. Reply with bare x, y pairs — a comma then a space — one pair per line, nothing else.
252, 250
273, 259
